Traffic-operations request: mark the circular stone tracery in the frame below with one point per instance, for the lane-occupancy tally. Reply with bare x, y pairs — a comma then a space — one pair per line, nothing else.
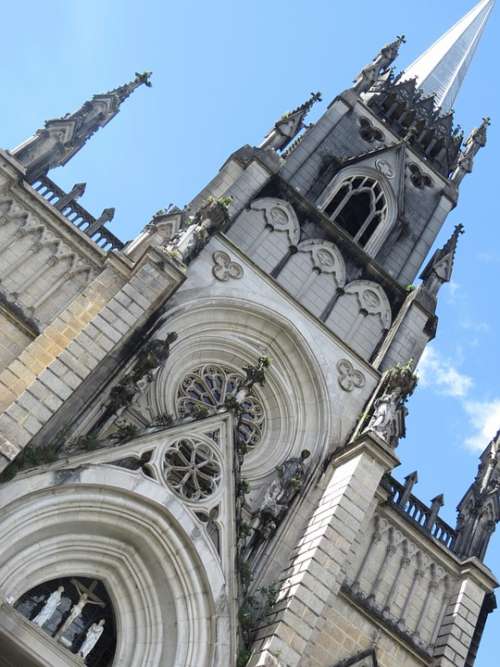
208, 387
192, 469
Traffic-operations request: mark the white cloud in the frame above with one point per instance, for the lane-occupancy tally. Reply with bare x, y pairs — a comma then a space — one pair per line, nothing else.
441, 375
435, 371
485, 418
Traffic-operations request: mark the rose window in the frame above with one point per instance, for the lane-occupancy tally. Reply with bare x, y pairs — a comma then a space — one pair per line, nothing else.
192, 469
208, 387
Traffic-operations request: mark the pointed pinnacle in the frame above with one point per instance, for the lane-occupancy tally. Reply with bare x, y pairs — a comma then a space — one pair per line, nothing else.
412, 477
438, 501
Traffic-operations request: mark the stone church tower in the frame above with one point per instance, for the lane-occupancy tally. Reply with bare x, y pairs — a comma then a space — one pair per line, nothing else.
199, 428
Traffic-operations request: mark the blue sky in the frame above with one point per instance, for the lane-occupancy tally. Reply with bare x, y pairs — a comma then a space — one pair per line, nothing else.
224, 71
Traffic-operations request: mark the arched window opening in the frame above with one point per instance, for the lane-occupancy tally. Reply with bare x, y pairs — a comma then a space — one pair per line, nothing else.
359, 207
77, 613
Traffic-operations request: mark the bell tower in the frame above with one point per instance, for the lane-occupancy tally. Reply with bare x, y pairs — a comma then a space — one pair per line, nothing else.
199, 428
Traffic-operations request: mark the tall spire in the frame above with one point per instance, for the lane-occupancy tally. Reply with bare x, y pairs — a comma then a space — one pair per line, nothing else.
442, 68
63, 137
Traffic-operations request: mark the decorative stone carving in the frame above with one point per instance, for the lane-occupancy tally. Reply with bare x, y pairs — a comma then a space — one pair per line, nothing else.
385, 168
50, 606
212, 387
389, 410
192, 469
91, 638
349, 378
225, 268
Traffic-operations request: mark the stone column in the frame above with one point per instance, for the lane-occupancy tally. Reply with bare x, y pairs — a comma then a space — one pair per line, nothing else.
315, 570
461, 616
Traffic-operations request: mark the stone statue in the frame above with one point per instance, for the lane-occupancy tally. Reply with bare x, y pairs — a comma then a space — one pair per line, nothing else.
48, 609
291, 475
91, 638
190, 241
152, 355
389, 411
75, 612
385, 421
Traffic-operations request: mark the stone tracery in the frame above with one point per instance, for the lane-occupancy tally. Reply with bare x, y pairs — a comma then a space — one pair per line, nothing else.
209, 387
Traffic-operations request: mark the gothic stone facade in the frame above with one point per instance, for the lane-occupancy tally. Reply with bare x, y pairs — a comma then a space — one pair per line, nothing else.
198, 429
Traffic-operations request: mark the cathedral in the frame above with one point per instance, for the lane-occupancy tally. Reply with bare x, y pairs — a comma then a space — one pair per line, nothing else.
200, 428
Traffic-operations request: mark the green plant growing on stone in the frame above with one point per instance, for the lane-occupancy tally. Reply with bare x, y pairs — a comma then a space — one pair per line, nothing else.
31, 457
199, 412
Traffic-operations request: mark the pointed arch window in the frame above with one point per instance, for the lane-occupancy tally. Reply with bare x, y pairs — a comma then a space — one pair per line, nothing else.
361, 199
359, 206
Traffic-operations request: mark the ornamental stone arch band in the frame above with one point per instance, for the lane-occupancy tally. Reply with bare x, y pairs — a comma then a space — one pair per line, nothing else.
313, 274
266, 231
363, 315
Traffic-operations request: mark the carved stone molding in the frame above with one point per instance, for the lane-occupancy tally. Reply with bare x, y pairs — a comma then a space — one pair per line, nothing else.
225, 268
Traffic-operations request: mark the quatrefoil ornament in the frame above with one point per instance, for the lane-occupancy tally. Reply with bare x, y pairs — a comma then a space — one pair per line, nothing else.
349, 378
225, 268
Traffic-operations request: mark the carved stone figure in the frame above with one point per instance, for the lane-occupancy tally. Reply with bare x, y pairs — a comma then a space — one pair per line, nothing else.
291, 475
188, 243
153, 355
75, 612
50, 606
91, 638
389, 411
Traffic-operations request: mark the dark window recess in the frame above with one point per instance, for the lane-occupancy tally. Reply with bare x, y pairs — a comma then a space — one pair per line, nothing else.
355, 213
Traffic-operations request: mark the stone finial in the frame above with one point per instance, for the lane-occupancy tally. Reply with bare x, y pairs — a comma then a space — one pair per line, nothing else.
379, 66
479, 510
476, 140
410, 481
289, 125
440, 268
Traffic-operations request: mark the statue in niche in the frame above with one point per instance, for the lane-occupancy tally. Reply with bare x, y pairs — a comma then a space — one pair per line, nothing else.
91, 638
389, 410
278, 498
50, 606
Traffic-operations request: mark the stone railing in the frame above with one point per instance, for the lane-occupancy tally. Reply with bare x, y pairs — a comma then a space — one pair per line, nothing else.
66, 203
426, 518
